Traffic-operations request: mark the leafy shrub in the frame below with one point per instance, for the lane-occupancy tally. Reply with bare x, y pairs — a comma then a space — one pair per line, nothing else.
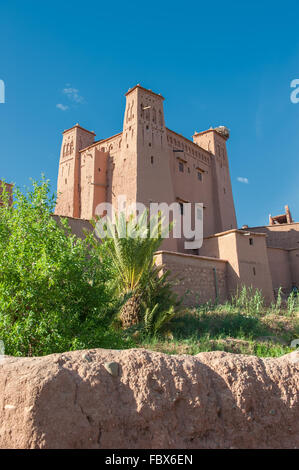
54, 292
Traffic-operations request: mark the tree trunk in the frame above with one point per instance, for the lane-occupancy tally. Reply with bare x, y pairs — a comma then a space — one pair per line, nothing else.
130, 312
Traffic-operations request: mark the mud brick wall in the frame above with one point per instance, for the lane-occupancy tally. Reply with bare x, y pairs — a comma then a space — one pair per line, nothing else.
195, 276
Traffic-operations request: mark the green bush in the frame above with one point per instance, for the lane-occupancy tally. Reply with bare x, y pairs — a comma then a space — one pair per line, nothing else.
54, 294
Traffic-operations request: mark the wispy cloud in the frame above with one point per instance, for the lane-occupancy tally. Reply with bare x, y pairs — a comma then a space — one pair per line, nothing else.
242, 179
73, 94
62, 107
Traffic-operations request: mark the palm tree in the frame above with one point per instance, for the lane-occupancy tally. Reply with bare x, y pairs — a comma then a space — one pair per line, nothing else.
131, 245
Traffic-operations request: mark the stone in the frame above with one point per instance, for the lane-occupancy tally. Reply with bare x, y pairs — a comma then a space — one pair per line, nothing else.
112, 368
86, 357
159, 401
294, 357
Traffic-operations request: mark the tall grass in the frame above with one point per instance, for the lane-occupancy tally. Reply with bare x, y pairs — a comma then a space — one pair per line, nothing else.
244, 325
248, 300
292, 303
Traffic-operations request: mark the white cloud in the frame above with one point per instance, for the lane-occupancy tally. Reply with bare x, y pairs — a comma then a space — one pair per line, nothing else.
62, 107
73, 94
241, 179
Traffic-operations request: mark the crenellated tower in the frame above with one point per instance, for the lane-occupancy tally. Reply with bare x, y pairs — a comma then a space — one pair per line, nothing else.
68, 183
214, 141
144, 147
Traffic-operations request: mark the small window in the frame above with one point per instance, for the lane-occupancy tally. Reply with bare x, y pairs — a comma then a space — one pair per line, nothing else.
152, 160
99, 169
188, 170
199, 175
254, 271
149, 144
250, 241
181, 167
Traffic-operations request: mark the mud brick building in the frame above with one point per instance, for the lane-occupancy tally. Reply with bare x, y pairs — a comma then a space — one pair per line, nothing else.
149, 162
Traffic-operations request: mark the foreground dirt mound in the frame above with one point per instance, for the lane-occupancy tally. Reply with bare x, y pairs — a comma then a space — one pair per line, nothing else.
141, 399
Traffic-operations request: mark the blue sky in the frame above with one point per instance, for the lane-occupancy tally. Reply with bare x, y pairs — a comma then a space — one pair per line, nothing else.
216, 63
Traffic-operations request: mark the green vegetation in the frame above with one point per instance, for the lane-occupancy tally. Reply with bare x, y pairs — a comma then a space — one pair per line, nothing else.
244, 325
130, 246
53, 291
266, 332
59, 292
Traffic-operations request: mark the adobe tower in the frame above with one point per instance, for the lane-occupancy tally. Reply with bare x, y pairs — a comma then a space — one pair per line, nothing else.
146, 162
68, 183
214, 141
